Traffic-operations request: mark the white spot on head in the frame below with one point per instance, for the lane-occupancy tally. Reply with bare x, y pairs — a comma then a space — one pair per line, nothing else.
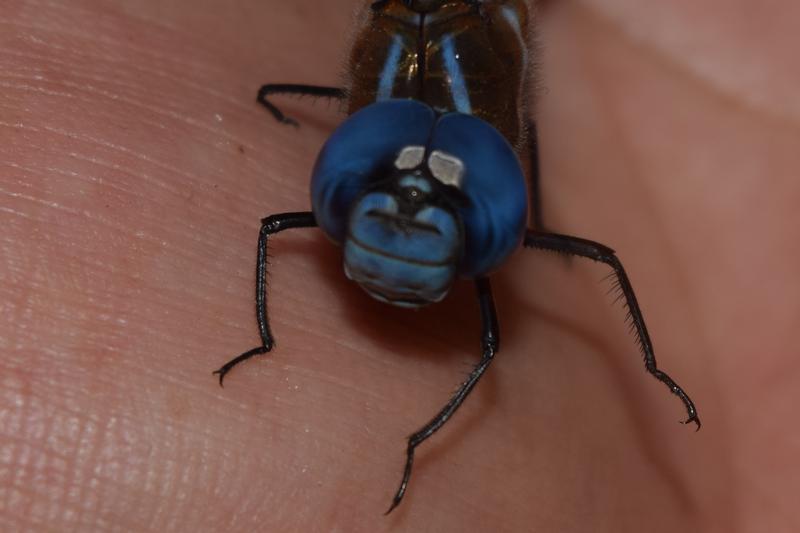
410, 157
446, 168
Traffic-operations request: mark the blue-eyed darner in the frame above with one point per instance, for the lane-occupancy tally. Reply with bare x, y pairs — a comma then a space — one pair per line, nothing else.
422, 184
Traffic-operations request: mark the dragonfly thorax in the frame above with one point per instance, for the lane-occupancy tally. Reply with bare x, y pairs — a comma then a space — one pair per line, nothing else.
424, 6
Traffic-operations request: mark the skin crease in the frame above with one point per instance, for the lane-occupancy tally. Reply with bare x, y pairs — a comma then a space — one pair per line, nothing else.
135, 168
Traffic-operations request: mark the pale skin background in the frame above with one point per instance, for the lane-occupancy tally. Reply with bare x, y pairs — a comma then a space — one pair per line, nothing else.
135, 166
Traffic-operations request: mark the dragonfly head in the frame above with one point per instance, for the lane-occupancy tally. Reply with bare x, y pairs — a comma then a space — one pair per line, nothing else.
417, 198
405, 237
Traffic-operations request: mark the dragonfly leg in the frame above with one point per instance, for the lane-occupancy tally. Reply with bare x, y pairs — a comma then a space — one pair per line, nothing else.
294, 89
574, 246
490, 342
269, 226
535, 182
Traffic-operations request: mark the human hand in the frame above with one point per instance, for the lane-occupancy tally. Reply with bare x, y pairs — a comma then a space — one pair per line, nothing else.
137, 165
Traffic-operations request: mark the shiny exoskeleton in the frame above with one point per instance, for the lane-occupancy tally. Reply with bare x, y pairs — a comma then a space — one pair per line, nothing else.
422, 185
458, 56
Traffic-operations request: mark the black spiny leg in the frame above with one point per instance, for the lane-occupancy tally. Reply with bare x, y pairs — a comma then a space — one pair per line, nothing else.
490, 342
294, 89
269, 225
592, 250
535, 184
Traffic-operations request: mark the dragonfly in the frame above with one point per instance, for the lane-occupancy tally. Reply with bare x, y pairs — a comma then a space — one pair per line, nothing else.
422, 184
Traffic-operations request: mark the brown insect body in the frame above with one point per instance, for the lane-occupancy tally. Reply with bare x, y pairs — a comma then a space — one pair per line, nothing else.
451, 55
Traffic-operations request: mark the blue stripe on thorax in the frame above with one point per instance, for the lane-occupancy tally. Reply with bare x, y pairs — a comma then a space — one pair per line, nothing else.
458, 85
389, 72
512, 17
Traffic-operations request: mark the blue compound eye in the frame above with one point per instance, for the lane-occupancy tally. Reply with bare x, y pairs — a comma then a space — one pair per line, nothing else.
400, 248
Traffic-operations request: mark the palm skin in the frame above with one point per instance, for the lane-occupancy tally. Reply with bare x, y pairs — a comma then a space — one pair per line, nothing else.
137, 167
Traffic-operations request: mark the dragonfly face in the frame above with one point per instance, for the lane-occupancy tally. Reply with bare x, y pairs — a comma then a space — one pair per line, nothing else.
418, 198
404, 242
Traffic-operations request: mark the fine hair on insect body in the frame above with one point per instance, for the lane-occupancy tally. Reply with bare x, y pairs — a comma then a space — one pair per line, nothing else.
422, 184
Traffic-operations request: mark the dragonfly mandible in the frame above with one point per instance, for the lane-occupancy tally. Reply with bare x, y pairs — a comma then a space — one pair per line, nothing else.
422, 184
